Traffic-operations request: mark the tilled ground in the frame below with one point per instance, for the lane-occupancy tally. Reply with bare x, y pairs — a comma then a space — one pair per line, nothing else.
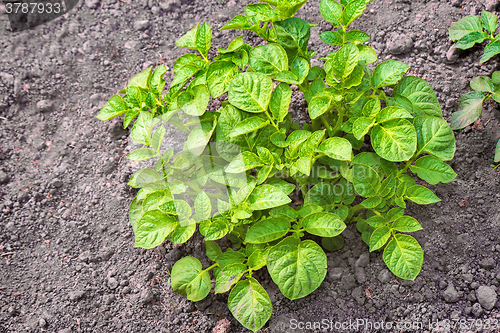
67, 261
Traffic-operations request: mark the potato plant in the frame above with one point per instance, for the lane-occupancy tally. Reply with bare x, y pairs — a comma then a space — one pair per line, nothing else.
242, 164
467, 32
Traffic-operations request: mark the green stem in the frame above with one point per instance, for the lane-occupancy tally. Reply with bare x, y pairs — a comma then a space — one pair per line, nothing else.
211, 267
357, 208
340, 120
271, 120
327, 126
316, 124
407, 165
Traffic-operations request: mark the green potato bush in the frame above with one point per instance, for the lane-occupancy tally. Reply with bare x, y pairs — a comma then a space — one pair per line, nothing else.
241, 164
467, 32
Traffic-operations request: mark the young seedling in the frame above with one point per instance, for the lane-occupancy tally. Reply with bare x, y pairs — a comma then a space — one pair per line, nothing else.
466, 33
240, 166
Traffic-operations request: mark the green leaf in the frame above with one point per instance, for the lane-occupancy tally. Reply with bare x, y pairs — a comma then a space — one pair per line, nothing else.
336, 148
377, 221
469, 110
200, 136
141, 132
287, 77
288, 8
421, 195
248, 125
404, 257
251, 92
215, 229
114, 107
258, 258
323, 224
238, 22
497, 152
332, 37
188, 279
235, 45
361, 126
491, 50
371, 108
300, 68
464, 27
203, 39
332, 244
152, 229
135, 213
142, 79
482, 84
202, 206
219, 76
213, 250
331, 11
189, 39
367, 55
134, 95
468, 41
303, 164
392, 112
141, 154
388, 73
495, 77
188, 59
260, 12
344, 61
179, 208
489, 21
158, 138
366, 180
157, 82
129, 116
183, 75
228, 276
269, 59
319, 104
250, 304
265, 155
280, 101
394, 140
356, 37
144, 177
435, 137
182, 233
281, 185
196, 102
352, 11
433, 170
267, 230
379, 237
406, 224
267, 196
243, 162
371, 202
297, 267
293, 35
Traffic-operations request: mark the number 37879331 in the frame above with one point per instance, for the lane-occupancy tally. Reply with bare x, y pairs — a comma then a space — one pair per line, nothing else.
45, 7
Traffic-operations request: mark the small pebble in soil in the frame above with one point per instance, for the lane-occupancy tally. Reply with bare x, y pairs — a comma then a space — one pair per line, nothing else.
45, 105
477, 310
487, 263
450, 295
384, 276
486, 296
399, 44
